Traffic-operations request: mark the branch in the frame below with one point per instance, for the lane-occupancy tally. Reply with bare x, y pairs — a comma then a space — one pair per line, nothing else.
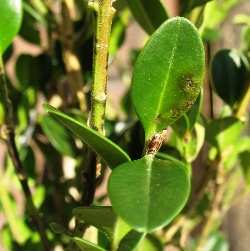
105, 13
8, 133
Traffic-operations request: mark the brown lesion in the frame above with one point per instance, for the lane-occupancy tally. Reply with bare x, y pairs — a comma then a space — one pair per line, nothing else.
155, 143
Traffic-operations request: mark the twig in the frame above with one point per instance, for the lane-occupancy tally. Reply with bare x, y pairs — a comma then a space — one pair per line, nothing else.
8, 134
105, 15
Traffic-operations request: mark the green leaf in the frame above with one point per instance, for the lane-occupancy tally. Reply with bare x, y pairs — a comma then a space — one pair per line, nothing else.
98, 216
85, 245
218, 10
224, 133
130, 241
150, 243
188, 5
58, 136
118, 31
229, 72
245, 165
108, 150
187, 121
216, 242
10, 21
149, 14
141, 192
168, 75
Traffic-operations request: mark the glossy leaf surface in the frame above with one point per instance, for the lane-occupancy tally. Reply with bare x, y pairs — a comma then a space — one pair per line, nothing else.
168, 75
10, 21
85, 245
148, 193
109, 151
149, 14
229, 70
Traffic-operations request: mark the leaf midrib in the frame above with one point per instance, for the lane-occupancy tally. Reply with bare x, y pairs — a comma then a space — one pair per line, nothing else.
149, 163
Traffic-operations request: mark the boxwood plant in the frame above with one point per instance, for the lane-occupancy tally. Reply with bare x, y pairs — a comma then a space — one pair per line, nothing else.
91, 178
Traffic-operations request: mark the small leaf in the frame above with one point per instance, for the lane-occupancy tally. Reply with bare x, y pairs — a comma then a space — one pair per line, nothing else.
168, 75
188, 5
216, 242
10, 22
229, 72
130, 241
224, 133
187, 121
149, 14
109, 151
98, 216
85, 245
58, 229
58, 136
245, 165
218, 10
148, 193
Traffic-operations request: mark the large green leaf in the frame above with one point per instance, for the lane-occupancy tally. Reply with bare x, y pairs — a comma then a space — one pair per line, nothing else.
149, 14
108, 150
85, 245
10, 21
148, 193
168, 75
229, 72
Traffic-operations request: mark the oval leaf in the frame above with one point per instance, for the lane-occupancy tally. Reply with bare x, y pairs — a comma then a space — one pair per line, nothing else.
229, 75
149, 14
148, 193
108, 150
168, 75
10, 21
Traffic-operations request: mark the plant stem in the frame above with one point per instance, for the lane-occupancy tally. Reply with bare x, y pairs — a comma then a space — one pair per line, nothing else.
9, 137
105, 13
